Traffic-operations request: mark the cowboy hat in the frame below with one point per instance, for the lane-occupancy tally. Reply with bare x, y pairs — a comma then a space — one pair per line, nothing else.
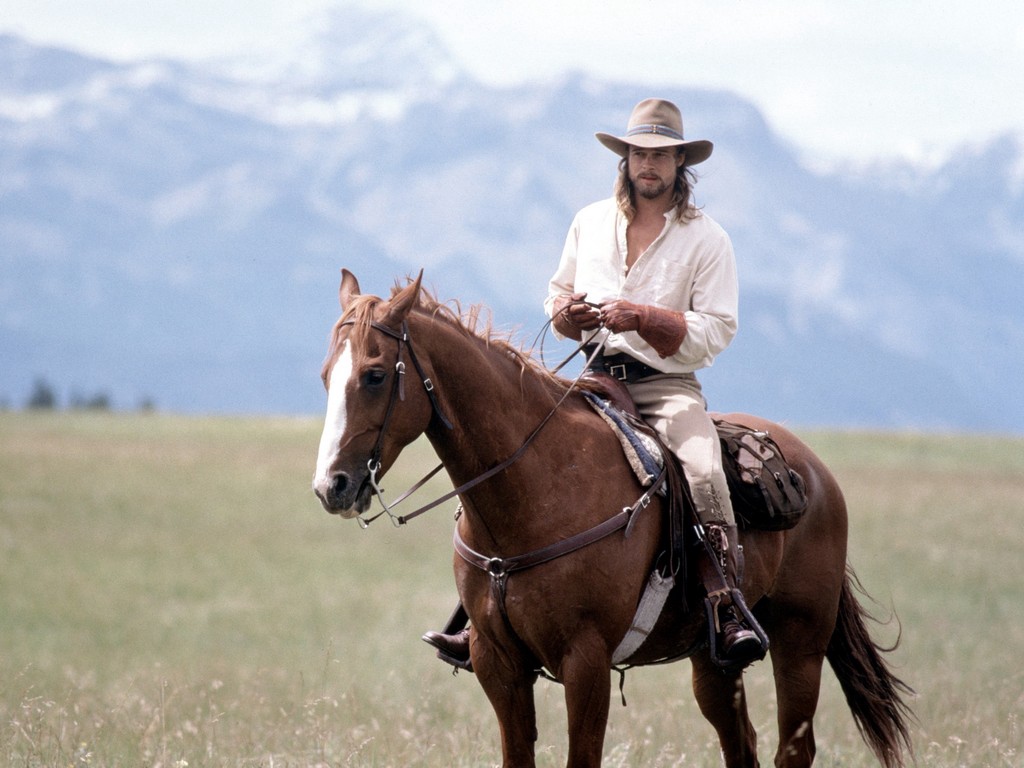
656, 123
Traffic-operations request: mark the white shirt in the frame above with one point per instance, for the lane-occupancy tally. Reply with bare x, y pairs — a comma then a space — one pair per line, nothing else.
690, 267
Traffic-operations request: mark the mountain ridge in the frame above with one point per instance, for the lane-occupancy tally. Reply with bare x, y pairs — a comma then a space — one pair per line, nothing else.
175, 233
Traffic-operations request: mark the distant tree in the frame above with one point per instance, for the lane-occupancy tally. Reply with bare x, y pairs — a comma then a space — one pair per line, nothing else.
147, 405
42, 397
98, 402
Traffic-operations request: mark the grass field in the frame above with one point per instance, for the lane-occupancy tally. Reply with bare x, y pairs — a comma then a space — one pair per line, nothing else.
172, 594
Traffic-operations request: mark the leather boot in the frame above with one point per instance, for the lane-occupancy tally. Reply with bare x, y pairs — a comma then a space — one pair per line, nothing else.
734, 644
453, 643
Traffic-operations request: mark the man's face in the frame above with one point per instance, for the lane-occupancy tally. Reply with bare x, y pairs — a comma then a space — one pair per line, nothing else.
653, 171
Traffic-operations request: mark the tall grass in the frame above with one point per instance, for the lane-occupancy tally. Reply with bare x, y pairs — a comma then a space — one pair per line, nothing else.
171, 593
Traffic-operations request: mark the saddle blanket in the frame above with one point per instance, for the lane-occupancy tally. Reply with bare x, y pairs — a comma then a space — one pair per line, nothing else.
641, 449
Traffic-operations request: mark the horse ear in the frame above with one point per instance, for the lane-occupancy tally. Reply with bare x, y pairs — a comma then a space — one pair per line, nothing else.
349, 288
404, 300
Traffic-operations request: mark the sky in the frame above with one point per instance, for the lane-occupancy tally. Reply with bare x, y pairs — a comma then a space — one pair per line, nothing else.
843, 82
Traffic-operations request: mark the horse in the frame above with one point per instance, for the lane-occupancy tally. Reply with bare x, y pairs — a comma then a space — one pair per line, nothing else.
534, 466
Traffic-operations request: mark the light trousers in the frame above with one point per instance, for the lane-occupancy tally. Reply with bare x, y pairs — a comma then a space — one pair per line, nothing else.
674, 405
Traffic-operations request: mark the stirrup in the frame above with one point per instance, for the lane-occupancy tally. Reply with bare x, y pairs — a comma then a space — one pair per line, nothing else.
738, 604
466, 664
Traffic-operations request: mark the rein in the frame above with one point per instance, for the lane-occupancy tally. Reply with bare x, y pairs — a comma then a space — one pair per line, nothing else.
398, 393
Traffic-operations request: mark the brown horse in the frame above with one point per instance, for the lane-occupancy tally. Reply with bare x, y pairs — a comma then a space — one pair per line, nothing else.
406, 366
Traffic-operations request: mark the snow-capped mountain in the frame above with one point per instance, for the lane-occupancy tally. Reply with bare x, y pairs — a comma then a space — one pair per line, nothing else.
175, 232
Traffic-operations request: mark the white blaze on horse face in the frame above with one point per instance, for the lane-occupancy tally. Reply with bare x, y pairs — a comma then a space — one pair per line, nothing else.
334, 422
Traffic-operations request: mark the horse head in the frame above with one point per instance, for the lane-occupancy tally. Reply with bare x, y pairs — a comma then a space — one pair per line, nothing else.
369, 417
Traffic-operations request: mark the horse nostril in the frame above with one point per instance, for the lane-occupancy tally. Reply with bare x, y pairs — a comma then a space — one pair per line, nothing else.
331, 490
338, 486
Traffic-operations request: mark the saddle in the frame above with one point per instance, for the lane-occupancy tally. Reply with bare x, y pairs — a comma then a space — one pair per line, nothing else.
767, 494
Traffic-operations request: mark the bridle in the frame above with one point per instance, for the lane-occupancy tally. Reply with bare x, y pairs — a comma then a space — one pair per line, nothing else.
373, 464
398, 394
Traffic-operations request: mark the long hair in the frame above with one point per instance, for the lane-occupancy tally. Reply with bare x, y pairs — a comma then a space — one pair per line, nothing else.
682, 192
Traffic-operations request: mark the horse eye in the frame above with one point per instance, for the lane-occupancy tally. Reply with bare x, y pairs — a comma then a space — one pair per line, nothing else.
374, 378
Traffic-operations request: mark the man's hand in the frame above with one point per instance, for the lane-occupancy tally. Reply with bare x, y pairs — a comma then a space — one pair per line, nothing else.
620, 315
663, 329
571, 316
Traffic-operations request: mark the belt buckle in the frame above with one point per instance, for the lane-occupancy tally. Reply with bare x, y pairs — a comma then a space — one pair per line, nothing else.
618, 371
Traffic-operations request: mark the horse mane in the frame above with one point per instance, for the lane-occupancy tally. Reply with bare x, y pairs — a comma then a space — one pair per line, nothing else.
474, 323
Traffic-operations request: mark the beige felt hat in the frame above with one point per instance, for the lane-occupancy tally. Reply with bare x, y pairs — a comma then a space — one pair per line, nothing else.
656, 123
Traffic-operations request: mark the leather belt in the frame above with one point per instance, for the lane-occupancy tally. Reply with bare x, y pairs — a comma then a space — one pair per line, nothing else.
622, 366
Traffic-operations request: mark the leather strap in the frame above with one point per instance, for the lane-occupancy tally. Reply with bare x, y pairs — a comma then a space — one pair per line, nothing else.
500, 567
623, 367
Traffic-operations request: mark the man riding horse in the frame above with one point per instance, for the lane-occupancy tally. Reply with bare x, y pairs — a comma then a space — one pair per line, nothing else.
653, 277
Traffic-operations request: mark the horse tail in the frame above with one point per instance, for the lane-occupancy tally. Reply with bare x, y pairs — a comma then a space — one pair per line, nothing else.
874, 694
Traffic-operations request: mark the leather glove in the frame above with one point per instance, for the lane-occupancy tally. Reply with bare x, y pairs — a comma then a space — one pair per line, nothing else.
571, 317
663, 329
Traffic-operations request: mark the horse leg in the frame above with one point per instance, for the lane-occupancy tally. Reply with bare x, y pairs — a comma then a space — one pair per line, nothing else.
587, 698
797, 670
723, 702
508, 683
803, 618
